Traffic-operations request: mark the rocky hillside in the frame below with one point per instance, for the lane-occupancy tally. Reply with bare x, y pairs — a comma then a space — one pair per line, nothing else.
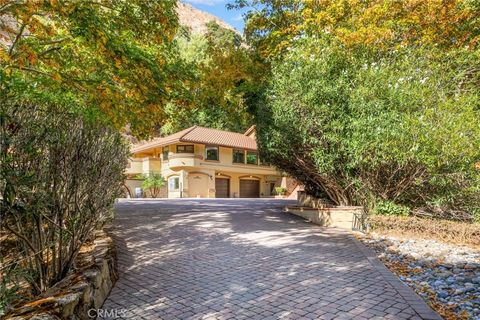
196, 20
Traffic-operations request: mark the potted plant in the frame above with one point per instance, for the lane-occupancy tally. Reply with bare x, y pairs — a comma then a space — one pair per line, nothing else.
280, 191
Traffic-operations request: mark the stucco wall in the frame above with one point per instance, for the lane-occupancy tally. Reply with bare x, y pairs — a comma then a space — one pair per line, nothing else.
201, 183
131, 184
198, 184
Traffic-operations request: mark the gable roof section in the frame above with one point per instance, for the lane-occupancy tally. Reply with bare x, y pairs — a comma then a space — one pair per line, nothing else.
250, 130
202, 135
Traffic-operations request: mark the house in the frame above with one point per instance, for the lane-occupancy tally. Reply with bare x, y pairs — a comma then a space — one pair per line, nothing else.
205, 163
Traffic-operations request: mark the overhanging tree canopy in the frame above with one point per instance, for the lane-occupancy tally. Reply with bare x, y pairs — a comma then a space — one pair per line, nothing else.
356, 126
116, 57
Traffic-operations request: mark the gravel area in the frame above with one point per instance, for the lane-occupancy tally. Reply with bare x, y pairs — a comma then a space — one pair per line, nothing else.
447, 276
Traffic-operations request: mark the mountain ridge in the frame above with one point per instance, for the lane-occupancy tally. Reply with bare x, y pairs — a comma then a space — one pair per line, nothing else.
196, 20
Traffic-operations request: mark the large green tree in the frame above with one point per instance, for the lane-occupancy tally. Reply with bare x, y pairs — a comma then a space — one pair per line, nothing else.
227, 77
356, 126
371, 100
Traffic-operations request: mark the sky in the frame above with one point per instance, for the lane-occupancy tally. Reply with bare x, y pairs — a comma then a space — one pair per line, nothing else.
218, 8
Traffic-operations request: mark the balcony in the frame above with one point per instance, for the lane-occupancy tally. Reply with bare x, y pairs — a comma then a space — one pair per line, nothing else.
177, 160
142, 165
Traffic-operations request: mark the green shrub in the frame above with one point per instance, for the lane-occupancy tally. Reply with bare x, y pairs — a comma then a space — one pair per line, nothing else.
280, 191
389, 208
353, 125
476, 215
59, 176
153, 182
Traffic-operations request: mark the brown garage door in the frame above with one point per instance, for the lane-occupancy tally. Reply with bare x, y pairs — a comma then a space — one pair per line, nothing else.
222, 188
249, 188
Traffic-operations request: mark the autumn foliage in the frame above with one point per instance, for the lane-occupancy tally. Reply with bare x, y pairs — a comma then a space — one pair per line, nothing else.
273, 26
116, 57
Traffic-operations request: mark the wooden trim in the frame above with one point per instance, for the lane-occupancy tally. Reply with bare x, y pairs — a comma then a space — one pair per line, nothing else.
219, 145
250, 130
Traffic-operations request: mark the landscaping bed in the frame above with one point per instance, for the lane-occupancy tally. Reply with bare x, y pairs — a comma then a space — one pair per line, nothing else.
461, 233
442, 267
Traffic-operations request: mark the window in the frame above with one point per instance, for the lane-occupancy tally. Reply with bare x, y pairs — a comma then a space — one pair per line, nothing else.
174, 183
185, 149
252, 157
272, 188
211, 153
238, 156
165, 153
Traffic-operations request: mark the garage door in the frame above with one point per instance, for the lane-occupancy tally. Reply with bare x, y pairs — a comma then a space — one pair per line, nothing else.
222, 188
249, 188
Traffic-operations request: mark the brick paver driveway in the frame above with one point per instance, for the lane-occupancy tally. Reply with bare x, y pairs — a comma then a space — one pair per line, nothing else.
246, 259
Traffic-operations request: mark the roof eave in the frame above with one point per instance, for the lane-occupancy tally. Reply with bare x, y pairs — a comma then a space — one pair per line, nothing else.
217, 144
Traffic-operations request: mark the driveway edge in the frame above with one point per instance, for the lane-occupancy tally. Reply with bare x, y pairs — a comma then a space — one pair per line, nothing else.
416, 302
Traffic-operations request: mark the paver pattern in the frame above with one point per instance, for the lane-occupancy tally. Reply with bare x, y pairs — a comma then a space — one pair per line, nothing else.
246, 259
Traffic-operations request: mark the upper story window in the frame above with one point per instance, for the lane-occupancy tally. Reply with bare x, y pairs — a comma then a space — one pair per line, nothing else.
238, 156
174, 183
185, 148
165, 153
252, 157
211, 153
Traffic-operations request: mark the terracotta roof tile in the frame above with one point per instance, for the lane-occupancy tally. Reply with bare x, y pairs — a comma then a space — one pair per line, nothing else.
202, 135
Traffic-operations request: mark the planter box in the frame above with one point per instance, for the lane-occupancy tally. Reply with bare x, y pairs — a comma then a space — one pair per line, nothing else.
338, 217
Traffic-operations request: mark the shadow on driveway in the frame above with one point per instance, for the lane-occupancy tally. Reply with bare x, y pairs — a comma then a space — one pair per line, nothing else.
246, 259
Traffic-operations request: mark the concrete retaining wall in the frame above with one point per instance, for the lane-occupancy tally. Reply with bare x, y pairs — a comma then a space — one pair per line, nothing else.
305, 200
338, 217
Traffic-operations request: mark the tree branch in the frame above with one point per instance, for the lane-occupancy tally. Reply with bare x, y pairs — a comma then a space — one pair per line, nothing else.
17, 37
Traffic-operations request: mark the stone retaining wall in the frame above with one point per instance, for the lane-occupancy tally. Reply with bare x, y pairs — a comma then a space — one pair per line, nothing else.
84, 290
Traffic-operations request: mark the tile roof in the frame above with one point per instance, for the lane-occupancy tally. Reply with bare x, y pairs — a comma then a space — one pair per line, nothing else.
201, 135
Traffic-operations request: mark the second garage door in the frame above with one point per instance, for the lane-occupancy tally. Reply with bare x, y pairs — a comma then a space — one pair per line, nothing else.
249, 188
